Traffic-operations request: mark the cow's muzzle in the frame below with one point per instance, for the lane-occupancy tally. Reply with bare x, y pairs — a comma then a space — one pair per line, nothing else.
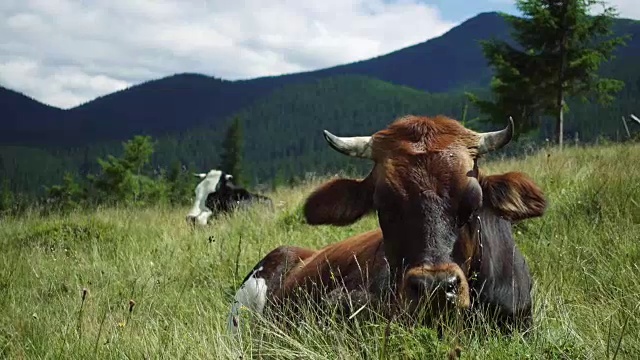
442, 286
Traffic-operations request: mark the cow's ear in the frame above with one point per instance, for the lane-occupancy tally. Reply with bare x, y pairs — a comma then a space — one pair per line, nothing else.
513, 195
339, 202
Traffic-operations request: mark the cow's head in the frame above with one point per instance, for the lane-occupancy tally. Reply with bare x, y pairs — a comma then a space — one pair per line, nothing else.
425, 187
210, 183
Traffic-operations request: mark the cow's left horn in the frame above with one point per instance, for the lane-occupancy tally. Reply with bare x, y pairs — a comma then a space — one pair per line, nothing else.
494, 140
357, 146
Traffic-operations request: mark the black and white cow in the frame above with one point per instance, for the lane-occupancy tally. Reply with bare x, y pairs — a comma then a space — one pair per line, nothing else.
216, 193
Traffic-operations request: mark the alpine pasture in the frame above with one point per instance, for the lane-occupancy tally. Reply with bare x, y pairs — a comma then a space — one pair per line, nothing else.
141, 283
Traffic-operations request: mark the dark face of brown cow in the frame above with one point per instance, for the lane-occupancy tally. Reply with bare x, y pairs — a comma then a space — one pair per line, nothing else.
424, 186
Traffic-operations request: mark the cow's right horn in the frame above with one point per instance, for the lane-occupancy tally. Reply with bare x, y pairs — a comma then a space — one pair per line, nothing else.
357, 146
494, 140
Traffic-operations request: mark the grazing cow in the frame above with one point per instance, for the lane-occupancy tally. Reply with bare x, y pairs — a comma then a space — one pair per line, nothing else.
229, 196
444, 241
216, 193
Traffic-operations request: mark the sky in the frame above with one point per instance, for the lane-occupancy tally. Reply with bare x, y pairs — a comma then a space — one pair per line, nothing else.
64, 53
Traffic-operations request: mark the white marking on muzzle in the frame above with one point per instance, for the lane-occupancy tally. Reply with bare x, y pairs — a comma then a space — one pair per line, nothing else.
251, 295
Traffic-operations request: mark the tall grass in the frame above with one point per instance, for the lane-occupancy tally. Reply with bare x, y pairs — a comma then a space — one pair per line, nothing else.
119, 282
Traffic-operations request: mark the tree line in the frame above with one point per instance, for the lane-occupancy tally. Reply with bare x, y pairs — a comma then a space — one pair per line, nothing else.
128, 180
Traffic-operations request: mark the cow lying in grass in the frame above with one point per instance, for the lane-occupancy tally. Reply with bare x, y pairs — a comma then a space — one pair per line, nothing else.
445, 239
217, 194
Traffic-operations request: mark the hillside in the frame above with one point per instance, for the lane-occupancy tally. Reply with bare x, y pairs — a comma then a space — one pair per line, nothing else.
165, 106
283, 132
442, 64
25, 120
176, 103
583, 254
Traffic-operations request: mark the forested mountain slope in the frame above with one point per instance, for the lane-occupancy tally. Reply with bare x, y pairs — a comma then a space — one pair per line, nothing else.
283, 132
25, 120
166, 106
283, 116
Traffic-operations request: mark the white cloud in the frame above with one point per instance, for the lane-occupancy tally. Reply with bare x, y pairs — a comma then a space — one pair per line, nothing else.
65, 52
626, 8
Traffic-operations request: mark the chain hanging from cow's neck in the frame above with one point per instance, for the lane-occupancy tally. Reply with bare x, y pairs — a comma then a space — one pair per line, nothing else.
474, 272
476, 259
479, 241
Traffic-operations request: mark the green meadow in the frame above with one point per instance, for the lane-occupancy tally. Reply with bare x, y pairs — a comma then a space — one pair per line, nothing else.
140, 283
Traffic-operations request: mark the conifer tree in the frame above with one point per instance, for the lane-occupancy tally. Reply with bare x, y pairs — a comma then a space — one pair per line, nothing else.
232, 148
66, 196
6, 196
561, 46
122, 179
179, 182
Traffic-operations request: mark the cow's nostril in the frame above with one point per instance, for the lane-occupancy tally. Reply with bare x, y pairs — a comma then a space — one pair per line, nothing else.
451, 284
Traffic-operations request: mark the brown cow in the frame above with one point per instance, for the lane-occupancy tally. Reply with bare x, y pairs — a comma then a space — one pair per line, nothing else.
445, 228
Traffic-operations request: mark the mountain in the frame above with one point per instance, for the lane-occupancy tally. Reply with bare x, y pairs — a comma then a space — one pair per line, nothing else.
163, 106
451, 62
179, 102
283, 115
24, 119
283, 131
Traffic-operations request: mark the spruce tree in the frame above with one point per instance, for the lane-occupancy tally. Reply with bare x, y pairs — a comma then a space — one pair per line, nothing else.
179, 182
85, 166
6, 196
561, 46
123, 179
232, 148
66, 196
137, 153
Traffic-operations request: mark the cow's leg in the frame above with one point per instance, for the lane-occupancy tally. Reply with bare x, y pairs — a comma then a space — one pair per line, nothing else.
265, 278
